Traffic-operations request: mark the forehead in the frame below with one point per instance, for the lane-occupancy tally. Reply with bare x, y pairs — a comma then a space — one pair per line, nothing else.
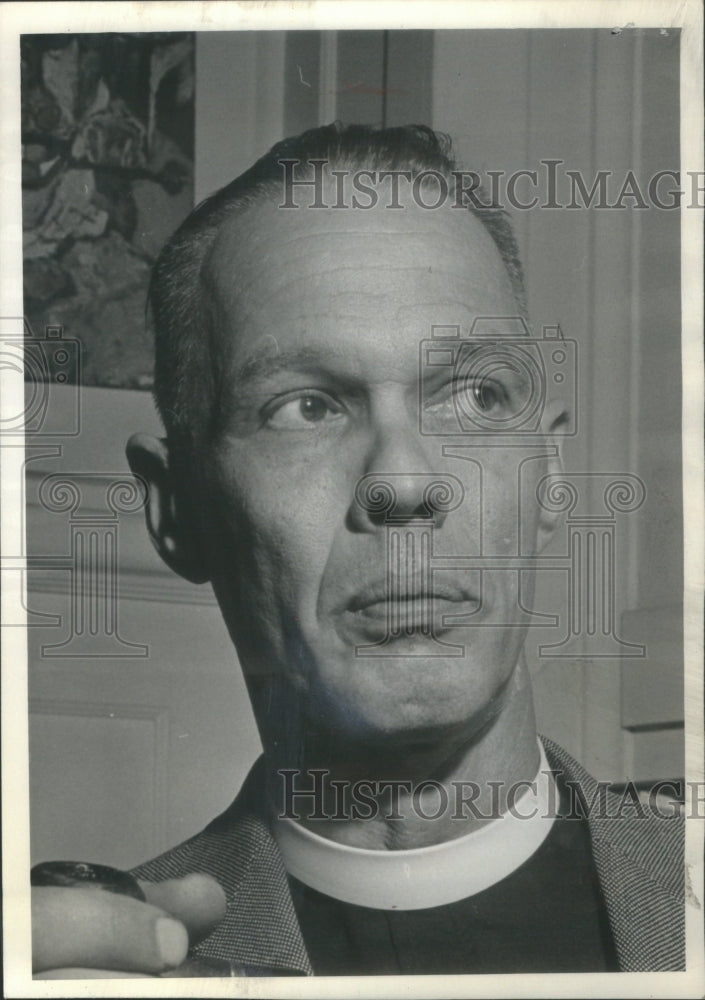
381, 274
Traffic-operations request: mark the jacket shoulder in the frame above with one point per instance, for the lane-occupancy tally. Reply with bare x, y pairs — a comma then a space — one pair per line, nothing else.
640, 861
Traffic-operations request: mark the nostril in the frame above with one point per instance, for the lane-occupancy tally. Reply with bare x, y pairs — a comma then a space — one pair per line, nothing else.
389, 498
443, 493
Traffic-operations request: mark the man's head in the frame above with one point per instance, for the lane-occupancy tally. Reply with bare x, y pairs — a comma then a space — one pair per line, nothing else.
302, 331
187, 386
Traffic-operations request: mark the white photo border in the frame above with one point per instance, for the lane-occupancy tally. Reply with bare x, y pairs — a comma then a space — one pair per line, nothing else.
20, 18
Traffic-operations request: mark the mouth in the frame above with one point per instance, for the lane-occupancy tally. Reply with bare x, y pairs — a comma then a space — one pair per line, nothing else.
388, 611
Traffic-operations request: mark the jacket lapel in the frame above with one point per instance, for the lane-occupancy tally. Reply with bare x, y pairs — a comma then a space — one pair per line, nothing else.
259, 933
640, 864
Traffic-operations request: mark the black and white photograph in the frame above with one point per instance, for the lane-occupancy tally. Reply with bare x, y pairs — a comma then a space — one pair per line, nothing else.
352, 499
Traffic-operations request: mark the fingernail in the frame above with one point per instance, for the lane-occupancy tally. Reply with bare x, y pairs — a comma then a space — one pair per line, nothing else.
172, 940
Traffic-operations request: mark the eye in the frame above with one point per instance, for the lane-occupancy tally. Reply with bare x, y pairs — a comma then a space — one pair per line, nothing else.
303, 412
488, 394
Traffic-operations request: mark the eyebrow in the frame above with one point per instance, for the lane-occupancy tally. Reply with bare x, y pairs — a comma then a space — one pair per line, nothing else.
302, 359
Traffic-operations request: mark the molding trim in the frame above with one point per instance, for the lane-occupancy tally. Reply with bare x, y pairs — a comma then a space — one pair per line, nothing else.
328, 77
157, 715
164, 588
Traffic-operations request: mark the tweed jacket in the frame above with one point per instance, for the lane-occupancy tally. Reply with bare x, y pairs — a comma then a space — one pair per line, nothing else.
639, 862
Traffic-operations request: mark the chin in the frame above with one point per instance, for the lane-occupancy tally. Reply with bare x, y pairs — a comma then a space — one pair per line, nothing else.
407, 697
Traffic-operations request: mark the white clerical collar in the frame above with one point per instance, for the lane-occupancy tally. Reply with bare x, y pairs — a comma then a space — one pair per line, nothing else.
425, 876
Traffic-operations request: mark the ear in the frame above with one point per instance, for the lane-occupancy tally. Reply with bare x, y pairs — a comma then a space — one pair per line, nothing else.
555, 417
171, 526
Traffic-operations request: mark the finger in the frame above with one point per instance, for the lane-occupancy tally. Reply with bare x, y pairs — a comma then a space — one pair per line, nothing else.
197, 900
98, 929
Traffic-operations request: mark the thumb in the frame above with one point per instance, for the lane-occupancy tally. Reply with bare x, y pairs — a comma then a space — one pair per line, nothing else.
197, 900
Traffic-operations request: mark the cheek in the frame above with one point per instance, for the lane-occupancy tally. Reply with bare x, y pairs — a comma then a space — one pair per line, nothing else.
275, 523
510, 506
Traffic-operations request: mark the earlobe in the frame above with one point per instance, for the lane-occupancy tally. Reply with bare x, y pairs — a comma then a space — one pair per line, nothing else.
172, 529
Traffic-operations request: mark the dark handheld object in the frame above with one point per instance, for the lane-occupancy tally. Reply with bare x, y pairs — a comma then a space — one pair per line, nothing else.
85, 875
82, 875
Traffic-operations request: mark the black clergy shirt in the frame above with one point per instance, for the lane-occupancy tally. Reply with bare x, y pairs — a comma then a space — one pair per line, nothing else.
546, 916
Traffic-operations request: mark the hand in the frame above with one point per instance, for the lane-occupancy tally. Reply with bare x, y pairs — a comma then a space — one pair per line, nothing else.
82, 933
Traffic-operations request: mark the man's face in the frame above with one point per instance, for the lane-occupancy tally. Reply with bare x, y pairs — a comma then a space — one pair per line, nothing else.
319, 317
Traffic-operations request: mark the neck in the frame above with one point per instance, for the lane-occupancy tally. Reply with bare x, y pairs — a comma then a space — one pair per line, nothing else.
400, 799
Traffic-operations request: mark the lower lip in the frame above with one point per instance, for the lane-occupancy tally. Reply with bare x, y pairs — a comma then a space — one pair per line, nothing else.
412, 617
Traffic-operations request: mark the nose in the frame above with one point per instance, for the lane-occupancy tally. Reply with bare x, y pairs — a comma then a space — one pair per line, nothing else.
399, 487
395, 498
